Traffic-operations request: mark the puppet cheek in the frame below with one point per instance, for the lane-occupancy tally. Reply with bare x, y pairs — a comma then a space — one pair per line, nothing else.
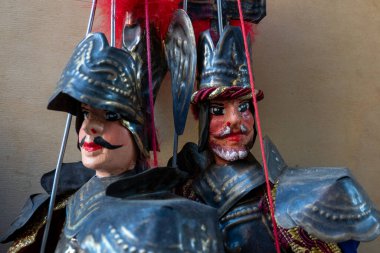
247, 116
216, 125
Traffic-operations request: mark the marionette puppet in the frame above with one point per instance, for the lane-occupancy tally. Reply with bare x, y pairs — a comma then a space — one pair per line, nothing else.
124, 207
308, 209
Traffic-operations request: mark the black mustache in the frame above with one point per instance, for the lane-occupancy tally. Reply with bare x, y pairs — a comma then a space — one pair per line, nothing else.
101, 142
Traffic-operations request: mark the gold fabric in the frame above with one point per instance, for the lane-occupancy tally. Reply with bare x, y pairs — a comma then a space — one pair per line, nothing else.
28, 235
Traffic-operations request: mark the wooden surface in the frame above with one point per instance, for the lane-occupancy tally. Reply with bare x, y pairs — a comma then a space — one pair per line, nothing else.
317, 62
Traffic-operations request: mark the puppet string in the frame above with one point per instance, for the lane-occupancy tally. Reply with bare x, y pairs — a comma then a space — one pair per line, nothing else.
252, 83
151, 106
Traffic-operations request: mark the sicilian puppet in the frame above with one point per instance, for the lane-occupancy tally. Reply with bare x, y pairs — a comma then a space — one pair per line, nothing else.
112, 201
316, 209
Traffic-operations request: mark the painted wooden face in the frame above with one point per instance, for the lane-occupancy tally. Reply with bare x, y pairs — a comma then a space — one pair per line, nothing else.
106, 146
231, 129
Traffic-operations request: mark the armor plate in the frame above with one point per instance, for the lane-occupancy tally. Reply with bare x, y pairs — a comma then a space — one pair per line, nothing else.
327, 202
152, 222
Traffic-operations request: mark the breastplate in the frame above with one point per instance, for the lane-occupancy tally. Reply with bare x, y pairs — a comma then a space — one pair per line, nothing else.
223, 186
157, 222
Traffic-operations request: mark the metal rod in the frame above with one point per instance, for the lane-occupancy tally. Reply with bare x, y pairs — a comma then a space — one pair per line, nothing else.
175, 148
220, 16
185, 5
55, 183
175, 142
92, 15
62, 151
113, 10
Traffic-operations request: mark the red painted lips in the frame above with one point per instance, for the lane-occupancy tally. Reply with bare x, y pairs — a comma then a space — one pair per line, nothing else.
236, 137
91, 146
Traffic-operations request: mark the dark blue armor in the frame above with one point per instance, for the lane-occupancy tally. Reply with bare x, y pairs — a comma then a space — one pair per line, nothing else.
315, 208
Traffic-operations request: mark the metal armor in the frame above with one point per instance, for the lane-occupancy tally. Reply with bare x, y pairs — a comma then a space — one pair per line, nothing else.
149, 220
315, 208
327, 202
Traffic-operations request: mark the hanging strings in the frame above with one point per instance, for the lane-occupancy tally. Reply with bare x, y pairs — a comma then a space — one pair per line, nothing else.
151, 103
252, 83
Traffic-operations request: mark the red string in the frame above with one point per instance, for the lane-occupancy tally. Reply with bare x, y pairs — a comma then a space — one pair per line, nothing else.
252, 83
151, 106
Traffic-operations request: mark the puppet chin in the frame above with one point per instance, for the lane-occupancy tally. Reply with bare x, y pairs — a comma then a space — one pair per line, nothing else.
229, 154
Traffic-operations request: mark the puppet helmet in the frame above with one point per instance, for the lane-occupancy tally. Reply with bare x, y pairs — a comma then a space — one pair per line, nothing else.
106, 78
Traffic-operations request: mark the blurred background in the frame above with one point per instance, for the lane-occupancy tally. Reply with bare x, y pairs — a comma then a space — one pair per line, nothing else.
318, 63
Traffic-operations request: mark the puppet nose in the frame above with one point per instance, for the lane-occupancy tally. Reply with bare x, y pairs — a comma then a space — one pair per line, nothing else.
92, 126
234, 118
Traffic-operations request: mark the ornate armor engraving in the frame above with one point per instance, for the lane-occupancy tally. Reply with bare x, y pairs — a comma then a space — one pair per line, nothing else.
316, 208
327, 202
153, 221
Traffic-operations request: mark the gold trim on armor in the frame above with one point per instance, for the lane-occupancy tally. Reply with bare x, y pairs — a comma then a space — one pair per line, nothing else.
28, 236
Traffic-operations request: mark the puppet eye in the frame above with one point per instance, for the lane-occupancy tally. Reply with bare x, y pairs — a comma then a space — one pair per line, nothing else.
244, 106
217, 110
112, 116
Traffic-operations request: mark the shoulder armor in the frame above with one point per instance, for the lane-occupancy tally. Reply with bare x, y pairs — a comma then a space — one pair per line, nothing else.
275, 162
151, 225
326, 202
71, 178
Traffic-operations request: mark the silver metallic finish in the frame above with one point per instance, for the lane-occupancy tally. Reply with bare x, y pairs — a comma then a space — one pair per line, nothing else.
220, 16
185, 5
154, 222
91, 18
181, 55
105, 78
223, 186
113, 10
134, 42
275, 162
62, 151
223, 65
236, 191
55, 184
326, 202
131, 37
